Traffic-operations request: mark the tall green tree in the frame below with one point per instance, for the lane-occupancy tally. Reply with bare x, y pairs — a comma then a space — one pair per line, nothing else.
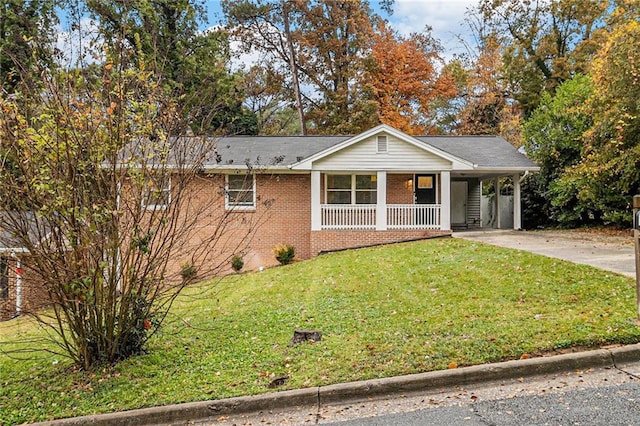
334, 38
26, 40
269, 102
609, 174
554, 139
320, 46
545, 43
267, 27
164, 35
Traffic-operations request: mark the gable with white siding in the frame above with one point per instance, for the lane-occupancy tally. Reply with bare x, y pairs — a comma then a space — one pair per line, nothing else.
363, 153
365, 156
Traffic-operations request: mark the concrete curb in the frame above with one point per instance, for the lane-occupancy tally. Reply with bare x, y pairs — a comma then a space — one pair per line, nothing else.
357, 391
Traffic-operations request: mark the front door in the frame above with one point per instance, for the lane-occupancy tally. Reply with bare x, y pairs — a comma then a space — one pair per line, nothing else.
459, 193
425, 189
425, 193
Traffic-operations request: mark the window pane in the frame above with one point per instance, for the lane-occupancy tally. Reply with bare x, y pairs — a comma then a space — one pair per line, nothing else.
240, 182
244, 198
425, 182
339, 182
240, 190
339, 197
366, 182
157, 192
366, 197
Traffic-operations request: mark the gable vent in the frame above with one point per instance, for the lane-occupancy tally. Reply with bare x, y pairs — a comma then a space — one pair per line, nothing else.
382, 144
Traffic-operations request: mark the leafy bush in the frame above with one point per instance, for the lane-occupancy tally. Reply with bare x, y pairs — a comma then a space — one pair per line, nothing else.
237, 263
188, 272
284, 253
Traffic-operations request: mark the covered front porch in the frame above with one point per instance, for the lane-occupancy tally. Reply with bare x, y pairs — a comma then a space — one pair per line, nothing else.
382, 201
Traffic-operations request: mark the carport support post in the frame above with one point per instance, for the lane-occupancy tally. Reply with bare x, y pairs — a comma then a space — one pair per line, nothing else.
517, 206
496, 186
636, 240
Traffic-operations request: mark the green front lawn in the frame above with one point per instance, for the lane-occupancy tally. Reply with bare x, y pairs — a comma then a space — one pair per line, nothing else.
383, 311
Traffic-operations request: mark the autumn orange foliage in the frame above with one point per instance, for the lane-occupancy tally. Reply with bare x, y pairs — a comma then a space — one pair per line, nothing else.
405, 81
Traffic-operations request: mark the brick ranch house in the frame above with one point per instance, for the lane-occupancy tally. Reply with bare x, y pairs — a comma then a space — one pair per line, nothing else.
381, 186
336, 192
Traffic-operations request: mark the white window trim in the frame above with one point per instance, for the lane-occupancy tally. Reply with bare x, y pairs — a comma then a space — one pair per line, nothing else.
353, 186
235, 207
166, 189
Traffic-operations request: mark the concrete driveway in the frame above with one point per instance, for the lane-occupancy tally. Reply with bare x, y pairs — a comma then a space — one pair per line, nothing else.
612, 252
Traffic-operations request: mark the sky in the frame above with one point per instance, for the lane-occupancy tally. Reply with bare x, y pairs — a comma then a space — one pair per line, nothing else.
445, 17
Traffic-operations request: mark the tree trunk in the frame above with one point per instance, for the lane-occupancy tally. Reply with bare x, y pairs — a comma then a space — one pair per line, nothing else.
294, 68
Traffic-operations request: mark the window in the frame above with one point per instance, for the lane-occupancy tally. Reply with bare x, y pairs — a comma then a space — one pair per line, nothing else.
338, 189
383, 146
4, 278
351, 189
425, 182
240, 192
157, 193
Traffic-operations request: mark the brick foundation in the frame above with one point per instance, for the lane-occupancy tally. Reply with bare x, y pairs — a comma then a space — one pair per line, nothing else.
325, 241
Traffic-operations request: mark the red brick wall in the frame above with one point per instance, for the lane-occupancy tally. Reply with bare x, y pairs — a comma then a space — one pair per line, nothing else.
397, 191
33, 293
282, 216
287, 220
8, 305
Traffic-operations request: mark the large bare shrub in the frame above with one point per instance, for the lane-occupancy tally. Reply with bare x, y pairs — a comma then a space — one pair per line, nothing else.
105, 199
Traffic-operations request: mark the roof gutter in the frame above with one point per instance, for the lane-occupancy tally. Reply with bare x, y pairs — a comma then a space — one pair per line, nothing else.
13, 250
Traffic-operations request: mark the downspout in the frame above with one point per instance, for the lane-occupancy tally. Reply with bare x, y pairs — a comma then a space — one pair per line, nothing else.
18, 284
526, 173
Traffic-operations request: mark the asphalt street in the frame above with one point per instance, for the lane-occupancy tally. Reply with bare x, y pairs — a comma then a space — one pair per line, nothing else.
603, 406
599, 396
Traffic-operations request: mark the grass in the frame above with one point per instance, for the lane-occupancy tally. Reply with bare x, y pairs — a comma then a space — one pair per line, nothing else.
383, 311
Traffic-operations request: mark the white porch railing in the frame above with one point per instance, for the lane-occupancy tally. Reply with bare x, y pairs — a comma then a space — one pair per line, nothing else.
363, 216
348, 216
413, 216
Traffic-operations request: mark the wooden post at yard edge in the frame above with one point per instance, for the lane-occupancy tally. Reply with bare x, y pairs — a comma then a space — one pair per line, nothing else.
636, 242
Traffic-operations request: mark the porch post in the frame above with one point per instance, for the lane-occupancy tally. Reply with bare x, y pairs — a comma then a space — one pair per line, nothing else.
445, 201
316, 218
496, 187
381, 204
517, 207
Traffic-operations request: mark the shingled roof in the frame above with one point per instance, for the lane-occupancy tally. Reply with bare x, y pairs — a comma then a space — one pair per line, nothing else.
483, 151
284, 151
